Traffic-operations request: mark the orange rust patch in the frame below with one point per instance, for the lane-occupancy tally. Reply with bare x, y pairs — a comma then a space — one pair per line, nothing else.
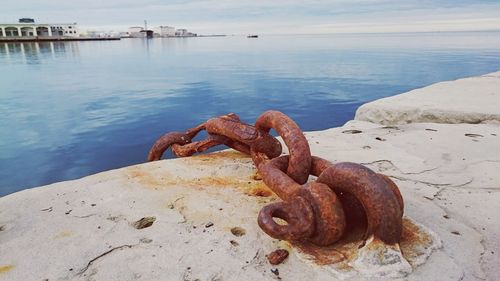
321, 255
413, 240
260, 190
6, 268
217, 156
253, 188
64, 233
339, 253
256, 176
164, 180
145, 178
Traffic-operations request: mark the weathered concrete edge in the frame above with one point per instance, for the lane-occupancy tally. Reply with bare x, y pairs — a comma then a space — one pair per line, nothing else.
434, 103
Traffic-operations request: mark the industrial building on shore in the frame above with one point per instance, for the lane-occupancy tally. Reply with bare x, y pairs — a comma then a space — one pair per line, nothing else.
27, 28
159, 31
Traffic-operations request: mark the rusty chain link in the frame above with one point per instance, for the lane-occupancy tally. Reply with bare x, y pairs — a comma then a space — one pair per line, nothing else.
316, 211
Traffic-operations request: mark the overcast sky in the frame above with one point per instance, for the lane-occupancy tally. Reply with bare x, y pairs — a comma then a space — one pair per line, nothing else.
265, 16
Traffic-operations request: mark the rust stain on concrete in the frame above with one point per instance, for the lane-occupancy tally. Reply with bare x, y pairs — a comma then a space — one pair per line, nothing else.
64, 233
217, 157
161, 179
414, 239
6, 268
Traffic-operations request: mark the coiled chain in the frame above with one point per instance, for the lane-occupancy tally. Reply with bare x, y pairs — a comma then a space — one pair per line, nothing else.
314, 211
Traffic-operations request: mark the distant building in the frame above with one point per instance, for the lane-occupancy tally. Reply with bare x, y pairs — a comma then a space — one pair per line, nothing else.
136, 32
159, 31
184, 33
26, 27
26, 20
164, 31
181, 32
101, 34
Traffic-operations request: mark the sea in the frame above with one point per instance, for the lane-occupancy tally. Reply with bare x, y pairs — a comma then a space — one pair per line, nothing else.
72, 109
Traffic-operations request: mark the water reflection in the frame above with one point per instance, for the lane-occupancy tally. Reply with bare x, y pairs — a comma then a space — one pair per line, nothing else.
70, 109
36, 52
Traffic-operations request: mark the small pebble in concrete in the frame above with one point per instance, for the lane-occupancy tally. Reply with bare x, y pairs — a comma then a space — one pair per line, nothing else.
474, 135
390, 127
275, 271
352, 132
238, 231
209, 224
455, 232
277, 256
144, 222
146, 240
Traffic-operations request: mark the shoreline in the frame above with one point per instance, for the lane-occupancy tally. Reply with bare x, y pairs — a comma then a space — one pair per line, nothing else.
440, 154
52, 39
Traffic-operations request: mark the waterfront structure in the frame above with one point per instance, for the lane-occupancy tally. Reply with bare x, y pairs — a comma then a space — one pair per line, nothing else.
159, 31
181, 32
136, 32
26, 28
184, 33
164, 31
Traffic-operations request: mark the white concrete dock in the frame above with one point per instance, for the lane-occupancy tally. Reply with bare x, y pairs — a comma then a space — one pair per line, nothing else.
205, 207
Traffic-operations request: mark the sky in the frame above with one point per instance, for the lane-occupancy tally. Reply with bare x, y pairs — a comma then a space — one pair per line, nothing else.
264, 16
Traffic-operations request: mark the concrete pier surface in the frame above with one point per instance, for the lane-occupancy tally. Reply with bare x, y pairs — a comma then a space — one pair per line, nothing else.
195, 218
469, 100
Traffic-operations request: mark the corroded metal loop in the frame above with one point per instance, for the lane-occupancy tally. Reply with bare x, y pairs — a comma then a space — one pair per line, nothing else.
164, 142
273, 174
227, 130
381, 204
329, 220
395, 190
234, 129
300, 154
212, 140
297, 214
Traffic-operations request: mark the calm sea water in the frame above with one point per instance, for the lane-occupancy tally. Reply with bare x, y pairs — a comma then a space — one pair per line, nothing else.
72, 109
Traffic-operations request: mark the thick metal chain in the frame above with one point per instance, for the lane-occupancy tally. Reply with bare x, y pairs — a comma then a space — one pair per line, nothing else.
314, 211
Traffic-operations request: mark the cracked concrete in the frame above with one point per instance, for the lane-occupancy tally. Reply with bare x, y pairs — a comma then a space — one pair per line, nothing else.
82, 229
452, 189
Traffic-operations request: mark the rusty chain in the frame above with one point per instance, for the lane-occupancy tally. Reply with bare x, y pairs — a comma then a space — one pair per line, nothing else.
316, 211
